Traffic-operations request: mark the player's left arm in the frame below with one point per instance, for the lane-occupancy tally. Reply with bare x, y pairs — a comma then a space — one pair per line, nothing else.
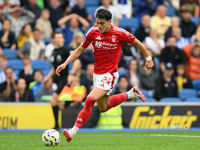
149, 62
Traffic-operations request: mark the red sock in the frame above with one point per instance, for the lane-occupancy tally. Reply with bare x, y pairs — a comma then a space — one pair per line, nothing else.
84, 114
116, 100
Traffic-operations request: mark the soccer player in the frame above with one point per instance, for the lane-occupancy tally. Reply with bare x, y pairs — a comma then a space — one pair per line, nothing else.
107, 42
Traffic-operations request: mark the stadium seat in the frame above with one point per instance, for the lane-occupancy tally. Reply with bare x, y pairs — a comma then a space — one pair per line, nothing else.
122, 72
193, 99
171, 11
170, 99
45, 71
195, 20
147, 100
16, 64
144, 92
92, 3
41, 64
129, 22
91, 10
187, 93
46, 41
11, 54
196, 84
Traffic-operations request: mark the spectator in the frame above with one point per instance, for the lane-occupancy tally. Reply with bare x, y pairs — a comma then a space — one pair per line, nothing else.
18, 20
44, 94
33, 7
171, 54
56, 12
148, 77
123, 85
25, 95
143, 31
115, 13
87, 57
175, 23
166, 85
129, 51
72, 26
124, 7
12, 2
188, 28
171, 3
80, 10
181, 79
192, 5
154, 43
49, 48
7, 38
76, 41
27, 72
25, 33
145, 7
6, 4
33, 47
88, 80
181, 42
43, 24
160, 21
132, 74
9, 85
37, 83
192, 52
3, 63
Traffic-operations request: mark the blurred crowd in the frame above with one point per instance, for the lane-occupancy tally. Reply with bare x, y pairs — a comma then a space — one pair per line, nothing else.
173, 41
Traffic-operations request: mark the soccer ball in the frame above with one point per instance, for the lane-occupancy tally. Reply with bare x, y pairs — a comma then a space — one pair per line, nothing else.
51, 137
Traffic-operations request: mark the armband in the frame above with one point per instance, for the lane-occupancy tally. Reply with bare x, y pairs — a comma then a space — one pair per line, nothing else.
148, 58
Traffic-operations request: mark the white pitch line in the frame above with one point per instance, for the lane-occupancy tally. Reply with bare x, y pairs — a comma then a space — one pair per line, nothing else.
187, 136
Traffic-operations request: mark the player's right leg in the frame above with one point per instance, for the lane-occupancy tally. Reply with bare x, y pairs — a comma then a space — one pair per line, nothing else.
84, 114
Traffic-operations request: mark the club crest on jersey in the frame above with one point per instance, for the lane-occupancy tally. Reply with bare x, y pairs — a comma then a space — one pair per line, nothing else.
113, 38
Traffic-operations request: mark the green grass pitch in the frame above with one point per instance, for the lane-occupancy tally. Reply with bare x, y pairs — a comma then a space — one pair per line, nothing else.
128, 140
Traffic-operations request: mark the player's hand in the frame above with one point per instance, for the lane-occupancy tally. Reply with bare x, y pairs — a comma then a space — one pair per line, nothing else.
60, 68
149, 64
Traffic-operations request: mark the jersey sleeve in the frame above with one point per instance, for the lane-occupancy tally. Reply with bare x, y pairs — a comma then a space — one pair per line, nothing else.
126, 36
88, 39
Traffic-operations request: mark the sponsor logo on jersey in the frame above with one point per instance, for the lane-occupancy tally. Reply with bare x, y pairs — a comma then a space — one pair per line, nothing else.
105, 45
98, 38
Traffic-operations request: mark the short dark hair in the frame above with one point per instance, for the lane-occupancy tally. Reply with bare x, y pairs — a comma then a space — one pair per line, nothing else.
36, 29
57, 32
38, 70
123, 76
104, 14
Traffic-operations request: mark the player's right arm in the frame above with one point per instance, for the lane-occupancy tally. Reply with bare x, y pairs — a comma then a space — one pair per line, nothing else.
75, 54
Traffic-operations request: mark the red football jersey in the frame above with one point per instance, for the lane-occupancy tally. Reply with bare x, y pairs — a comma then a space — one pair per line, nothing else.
107, 47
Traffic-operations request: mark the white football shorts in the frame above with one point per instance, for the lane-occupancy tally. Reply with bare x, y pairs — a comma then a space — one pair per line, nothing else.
105, 81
